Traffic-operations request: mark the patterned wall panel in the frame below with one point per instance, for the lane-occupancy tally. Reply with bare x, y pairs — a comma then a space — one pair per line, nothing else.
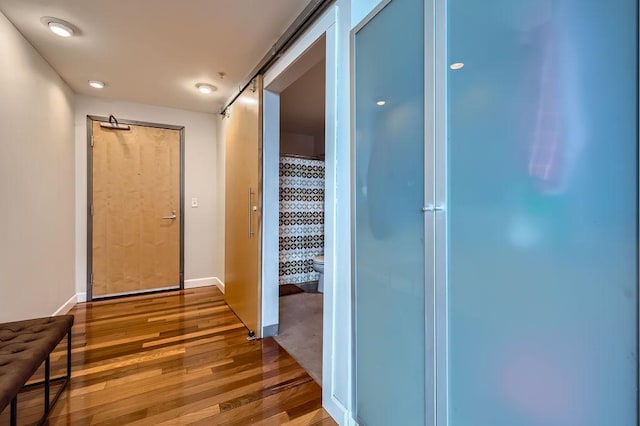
301, 218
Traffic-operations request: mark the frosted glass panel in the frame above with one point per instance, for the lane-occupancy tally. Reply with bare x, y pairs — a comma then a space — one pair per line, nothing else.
542, 203
389, 230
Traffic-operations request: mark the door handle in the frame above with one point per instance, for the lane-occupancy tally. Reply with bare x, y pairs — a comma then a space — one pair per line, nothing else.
250, 209
172, 217
432, 208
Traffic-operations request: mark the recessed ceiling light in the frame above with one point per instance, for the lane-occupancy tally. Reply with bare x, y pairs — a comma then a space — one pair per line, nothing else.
205, 88
58, 26
60, 29
96, 84
457, 66
380, 103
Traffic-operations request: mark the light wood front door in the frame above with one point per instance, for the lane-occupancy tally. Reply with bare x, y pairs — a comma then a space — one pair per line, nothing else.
243, 156
135, 213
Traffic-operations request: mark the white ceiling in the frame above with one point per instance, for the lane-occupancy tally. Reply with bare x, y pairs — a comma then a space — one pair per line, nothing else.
155, 51
302, 103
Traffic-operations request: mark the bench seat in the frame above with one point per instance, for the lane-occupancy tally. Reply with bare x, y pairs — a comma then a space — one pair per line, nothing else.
24, 346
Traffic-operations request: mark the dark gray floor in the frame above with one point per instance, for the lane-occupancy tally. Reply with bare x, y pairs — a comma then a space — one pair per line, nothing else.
301, 330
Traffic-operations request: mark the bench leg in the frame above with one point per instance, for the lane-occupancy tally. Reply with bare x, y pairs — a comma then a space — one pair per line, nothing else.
14, 411
48, 402
69, 355
47, 378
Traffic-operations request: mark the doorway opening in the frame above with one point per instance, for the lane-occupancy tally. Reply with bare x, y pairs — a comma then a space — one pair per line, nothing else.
296, 138
301, 216
319, 43
135, 197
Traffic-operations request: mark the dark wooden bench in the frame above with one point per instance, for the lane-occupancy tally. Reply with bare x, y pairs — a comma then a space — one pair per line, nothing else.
24, 346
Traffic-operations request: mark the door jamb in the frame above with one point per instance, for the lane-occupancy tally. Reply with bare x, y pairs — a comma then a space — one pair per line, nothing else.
333, 335
90, 120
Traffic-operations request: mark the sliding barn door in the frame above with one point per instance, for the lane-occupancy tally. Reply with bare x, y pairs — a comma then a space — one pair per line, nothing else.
135, 213
243, 156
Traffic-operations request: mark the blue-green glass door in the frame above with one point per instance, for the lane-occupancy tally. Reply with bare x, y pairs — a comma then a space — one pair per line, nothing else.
389, 234
542, 212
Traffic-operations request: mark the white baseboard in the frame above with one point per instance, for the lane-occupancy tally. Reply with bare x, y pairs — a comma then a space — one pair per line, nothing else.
204, 282
338, 411
349, 420
82, 297
199, 282
219, 284
66, 307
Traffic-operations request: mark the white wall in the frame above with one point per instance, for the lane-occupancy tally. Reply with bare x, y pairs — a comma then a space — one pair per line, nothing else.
343, 293
204, 225
270, 213
36, 182
298, 144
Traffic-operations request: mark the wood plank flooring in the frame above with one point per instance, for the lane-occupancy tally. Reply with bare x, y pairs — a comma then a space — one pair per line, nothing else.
174, 359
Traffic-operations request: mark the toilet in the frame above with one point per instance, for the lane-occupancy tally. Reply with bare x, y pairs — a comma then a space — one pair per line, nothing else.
318, 266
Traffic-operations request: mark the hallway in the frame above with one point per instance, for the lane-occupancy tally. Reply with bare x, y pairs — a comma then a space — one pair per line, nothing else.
175, 358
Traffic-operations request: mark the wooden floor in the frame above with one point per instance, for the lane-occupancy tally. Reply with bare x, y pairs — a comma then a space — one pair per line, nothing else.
172, 359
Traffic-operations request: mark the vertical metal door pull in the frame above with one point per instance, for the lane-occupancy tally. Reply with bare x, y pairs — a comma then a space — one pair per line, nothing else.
250, 210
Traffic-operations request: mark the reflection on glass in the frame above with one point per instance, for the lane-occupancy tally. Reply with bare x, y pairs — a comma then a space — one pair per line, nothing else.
389, 185
542, 213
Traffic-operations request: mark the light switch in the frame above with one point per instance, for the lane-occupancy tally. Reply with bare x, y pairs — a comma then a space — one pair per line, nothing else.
194, 202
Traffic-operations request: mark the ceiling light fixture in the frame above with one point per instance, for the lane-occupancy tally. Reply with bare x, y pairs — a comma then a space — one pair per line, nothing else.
96, 84
457, 66
58, 26
380, 103
205, 88
60, 29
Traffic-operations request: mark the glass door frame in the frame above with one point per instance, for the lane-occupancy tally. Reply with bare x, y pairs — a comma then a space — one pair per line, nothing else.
436, 222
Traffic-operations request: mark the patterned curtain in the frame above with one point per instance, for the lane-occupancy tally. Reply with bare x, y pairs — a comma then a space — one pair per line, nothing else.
301, 218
